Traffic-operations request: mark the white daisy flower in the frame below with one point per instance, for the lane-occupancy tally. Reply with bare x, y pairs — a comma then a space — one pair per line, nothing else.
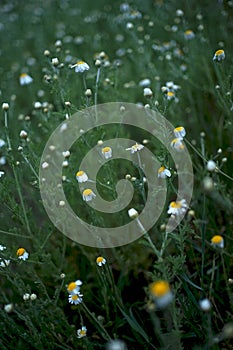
161, 293
107, 152
217, 241
179, 132
22, 254
74, 287
75, 298
219, 55
25, 79
188, 34
82, 332
178, 207
100, 261
80, 67
177, 144
163, 172
135, 148
88, 195
81, 176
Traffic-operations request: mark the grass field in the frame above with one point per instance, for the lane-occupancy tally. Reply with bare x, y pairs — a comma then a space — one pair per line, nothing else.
165, 289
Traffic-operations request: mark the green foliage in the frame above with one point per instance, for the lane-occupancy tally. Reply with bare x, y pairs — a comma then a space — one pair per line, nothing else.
146, 41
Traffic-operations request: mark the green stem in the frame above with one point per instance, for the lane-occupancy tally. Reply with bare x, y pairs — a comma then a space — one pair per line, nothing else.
91, 316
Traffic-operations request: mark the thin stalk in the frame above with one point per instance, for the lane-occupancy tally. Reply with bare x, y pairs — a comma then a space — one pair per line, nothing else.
96, 92
147, 236
91, 316
16, 178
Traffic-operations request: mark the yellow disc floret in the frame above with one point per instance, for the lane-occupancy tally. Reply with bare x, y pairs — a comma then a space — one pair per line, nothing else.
159, 288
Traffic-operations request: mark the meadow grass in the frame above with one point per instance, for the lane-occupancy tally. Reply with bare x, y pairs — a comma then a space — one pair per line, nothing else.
164, 290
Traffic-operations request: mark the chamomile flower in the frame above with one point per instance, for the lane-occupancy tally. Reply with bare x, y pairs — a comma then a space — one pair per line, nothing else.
80, 67
217, 241
82, 332
179, 132
178, 207
25, 79
188, 34
100, 261
171, 86
177, 144
135, 148
161, 293
2, 247
81, 176
2, 173
75, 298
219, 55
74, 287
22, 254
163, 172
88, 195
107, 152
170, 95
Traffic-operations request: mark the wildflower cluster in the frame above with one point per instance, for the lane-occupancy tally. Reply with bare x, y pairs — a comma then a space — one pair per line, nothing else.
73, 288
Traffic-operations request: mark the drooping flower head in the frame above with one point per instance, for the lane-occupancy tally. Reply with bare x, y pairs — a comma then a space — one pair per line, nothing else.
25, 79
106, 152
179, 132
81, 176
163, 172
219, 55
161, 293
88, 195
217, 241
100, 261
22, 254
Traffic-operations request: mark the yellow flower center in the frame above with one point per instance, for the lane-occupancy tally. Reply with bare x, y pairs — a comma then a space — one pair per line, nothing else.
80, 62
82, 332
187, 32
71, 286
75, 297
176, 205
216, 239
87, 192
80, 173
170, 94
20, 251
161, 169
23, 75
219, 52
106, 149
100, 259
179, 128
159, 288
